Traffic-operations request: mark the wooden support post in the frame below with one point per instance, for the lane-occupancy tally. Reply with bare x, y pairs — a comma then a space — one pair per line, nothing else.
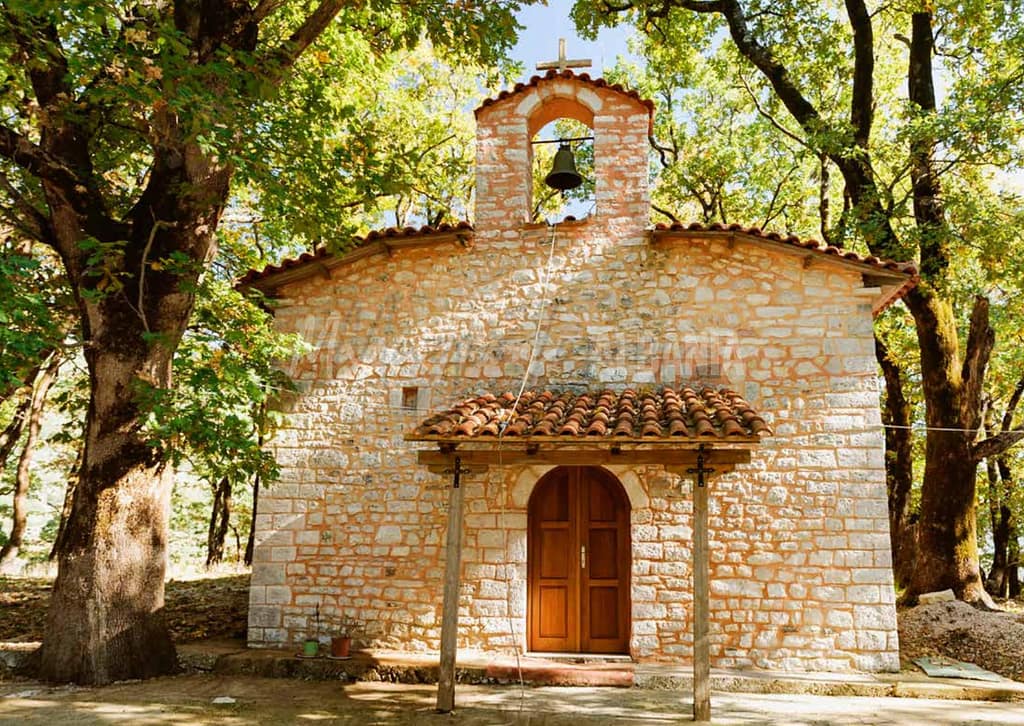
450, 615
701, 596
701, 603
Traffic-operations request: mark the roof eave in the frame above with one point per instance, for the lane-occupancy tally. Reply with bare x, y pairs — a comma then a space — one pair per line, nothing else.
809, 254
322, 264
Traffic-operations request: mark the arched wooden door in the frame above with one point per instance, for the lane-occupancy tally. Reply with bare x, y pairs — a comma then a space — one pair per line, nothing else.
578, 562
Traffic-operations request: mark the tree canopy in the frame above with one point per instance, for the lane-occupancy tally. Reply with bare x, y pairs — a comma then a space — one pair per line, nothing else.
125, 127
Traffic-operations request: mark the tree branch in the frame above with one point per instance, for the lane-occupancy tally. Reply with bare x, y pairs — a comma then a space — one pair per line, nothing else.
771, 119
980, 340
25, 217
928, 210
289, 51
34, 159
996, 445
665, 212
46, 66
862, 101
266, 8
1011, 406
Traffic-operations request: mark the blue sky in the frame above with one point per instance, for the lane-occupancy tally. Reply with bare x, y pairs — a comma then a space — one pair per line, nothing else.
545, 24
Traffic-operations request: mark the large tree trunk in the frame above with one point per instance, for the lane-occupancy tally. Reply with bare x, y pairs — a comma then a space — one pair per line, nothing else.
23, 477
947, 543
899, 462
220, 519
105, 620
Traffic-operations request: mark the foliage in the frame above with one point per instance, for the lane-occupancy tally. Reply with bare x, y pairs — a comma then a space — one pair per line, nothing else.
32, 319
356, 143
923, 179
225, 369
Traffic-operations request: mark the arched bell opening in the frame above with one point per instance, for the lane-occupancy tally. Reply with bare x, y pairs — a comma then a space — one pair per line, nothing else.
561, 147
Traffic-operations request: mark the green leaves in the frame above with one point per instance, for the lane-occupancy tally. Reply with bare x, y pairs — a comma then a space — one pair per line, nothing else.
31, 321
225, 370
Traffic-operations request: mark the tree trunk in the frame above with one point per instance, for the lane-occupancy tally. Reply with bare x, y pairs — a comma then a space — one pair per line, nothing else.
220, 518
1001, 486
899, 462
12, 433
105, 620
250, 543
1013, 587
23, 478
947, 544
65, 509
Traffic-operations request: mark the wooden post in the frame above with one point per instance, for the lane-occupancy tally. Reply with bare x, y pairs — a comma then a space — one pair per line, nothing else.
450, 615
701, 604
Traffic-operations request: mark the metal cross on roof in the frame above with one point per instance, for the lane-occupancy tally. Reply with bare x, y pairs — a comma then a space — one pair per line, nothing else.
562, 63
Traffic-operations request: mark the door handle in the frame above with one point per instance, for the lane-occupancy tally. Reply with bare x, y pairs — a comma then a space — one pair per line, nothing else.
583, 557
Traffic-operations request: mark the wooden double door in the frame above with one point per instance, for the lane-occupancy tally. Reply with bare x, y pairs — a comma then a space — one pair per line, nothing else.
578, 562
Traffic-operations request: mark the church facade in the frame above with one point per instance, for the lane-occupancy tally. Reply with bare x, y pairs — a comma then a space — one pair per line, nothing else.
576, 369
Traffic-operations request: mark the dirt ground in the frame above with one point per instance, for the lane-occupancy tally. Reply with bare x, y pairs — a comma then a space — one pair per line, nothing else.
190, 700
216, 608
992, 640
196, 609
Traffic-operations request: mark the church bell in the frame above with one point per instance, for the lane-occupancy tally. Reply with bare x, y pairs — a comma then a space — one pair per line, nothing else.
563, 175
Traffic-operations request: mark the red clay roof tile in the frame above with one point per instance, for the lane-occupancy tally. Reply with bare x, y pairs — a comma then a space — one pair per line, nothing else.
554, 75
809, 244
321, 253
664, 415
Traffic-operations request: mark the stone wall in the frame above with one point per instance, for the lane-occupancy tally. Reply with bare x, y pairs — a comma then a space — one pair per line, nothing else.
801, 573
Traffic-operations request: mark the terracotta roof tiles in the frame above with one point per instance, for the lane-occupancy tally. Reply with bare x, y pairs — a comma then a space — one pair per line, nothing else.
554, 74
321, 253
413, 233
626, 416
791, 239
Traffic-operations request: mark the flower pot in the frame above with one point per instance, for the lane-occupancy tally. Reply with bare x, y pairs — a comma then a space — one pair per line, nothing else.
310, 647
340, 645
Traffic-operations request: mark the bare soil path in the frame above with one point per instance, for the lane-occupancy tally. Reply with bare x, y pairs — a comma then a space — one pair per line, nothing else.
189, 700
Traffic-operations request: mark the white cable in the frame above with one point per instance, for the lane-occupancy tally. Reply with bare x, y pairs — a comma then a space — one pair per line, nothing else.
503, 493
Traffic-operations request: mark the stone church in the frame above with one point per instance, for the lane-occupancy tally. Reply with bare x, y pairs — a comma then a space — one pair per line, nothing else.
571, 379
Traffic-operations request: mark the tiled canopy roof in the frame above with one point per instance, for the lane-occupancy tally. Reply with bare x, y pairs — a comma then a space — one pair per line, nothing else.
642, 417
555, 74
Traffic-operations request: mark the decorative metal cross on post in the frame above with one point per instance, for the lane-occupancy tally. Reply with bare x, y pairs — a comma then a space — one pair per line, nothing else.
700, 469
563, 63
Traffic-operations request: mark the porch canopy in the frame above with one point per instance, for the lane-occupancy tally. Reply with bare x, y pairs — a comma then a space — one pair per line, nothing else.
690, 431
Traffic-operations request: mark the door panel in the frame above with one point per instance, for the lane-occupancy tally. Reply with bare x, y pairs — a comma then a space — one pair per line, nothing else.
578, 563
604, 613
555, 549
553, 565
554, 613
603, 554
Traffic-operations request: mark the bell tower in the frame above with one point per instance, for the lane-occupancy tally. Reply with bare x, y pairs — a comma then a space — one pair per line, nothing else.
619, 120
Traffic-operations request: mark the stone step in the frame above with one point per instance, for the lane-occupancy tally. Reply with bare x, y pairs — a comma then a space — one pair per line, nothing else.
409, 668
